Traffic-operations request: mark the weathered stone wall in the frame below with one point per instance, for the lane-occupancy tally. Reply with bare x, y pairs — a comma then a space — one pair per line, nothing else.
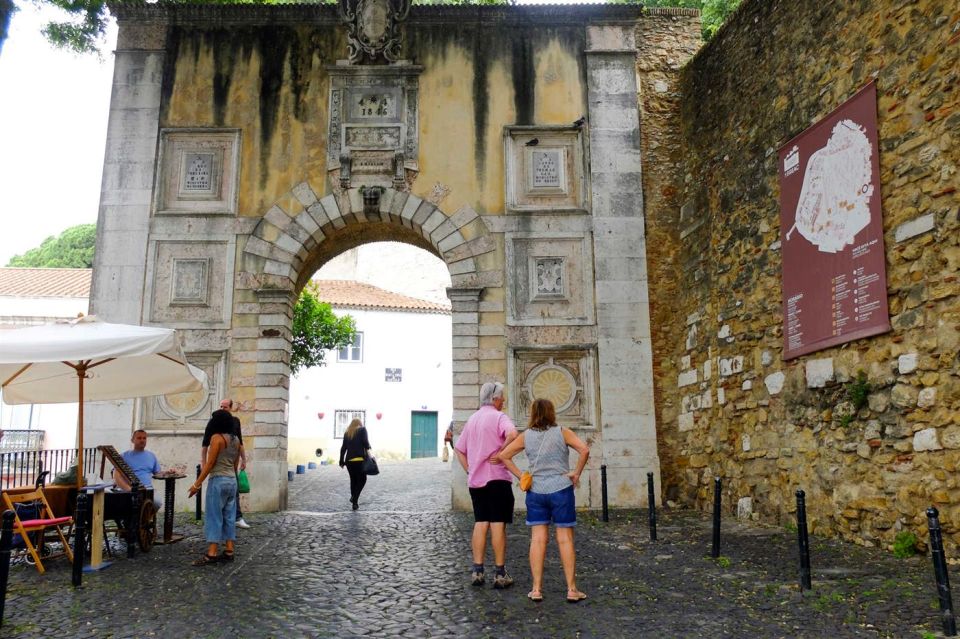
731, 407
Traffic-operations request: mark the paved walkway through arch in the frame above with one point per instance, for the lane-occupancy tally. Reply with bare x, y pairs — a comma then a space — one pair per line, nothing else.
398, 568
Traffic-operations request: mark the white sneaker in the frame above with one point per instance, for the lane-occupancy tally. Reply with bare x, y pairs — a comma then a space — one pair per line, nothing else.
242, 524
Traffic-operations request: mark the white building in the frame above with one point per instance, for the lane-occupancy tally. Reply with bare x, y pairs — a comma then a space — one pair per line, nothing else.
396, 378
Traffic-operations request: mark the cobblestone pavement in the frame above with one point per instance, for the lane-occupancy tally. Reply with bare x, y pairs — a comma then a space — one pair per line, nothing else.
399, 567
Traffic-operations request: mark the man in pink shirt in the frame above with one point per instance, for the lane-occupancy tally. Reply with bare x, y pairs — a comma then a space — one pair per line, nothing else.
486, 433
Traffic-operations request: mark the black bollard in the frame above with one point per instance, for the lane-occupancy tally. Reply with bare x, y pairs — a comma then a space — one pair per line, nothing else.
603, 491
6, 542
652, 506
133, 521
80, 537
940, 569
199, 503
715, 550
803, 541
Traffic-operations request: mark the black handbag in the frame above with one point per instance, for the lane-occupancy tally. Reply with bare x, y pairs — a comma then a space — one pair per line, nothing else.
370, 466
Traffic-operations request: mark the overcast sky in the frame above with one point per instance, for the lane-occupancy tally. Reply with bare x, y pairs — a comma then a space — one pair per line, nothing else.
53, 126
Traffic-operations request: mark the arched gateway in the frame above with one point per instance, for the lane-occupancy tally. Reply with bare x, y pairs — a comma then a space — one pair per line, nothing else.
249, 144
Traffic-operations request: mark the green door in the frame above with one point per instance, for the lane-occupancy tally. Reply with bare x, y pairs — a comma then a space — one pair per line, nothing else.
423, 434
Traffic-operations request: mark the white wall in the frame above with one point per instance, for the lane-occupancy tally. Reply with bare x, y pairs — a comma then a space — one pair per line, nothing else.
393, 266
58, 421
417, 343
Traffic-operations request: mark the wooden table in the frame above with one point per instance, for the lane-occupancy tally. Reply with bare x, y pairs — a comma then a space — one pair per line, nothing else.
169, 494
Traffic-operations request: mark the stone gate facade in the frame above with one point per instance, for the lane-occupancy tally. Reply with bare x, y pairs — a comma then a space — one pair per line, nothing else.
250, 144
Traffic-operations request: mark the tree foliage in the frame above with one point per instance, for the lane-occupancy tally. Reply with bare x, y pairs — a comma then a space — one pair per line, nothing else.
73, 248
317, 329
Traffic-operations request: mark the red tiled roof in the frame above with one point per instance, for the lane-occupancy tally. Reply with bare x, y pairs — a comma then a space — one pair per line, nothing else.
75, 282
350, 294
45, 282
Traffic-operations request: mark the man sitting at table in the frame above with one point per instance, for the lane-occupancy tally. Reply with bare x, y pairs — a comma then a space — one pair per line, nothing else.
143, 462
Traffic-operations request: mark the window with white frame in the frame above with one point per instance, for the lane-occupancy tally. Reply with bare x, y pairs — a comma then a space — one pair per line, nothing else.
342, 419
352, 352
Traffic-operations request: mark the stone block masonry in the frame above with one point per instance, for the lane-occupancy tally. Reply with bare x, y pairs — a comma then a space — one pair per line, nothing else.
872, 451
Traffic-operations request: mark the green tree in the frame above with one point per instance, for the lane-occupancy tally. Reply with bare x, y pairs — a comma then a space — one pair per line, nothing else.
316, 329
71, 249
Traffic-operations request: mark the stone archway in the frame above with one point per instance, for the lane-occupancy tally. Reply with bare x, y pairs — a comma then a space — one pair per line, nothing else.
217, 109
283, 251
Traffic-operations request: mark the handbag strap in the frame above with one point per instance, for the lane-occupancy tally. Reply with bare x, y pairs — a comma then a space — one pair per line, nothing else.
542, 440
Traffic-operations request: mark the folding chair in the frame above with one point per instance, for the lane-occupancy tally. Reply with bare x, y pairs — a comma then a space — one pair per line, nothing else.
44, 520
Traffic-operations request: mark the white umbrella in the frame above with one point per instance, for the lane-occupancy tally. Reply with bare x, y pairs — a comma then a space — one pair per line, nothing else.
86, 359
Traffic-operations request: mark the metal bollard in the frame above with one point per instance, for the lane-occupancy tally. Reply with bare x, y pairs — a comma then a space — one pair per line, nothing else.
6, 542
133, 521
715, 550
80, 538
652, 506
199, 503
940, 569
603, 492
803, 541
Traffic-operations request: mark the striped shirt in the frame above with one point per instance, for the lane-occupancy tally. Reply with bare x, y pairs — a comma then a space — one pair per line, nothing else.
549, 459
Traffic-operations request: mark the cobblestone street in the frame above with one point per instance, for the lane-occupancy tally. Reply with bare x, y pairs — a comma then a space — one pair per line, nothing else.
399, 567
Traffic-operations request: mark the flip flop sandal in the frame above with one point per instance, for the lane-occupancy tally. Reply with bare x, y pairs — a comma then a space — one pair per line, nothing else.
206, 560
226, 556
575, 596
535, 595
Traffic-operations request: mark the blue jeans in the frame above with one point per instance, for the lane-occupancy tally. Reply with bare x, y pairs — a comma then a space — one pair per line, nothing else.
220, 519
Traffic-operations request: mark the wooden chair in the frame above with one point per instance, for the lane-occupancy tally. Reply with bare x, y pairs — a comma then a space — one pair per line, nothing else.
44, 520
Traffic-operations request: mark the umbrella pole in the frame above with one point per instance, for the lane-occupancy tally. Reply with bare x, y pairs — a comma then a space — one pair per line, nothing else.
81, 374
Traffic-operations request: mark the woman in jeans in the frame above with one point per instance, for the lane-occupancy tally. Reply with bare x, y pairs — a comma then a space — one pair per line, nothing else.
550, 499
223, 455
354, 450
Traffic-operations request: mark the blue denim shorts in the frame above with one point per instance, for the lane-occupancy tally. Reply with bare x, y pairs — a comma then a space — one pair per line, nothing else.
558, 508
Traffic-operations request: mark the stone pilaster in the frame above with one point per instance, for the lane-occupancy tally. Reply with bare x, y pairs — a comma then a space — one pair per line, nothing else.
123, 223
266, 442
465, 303
628, 426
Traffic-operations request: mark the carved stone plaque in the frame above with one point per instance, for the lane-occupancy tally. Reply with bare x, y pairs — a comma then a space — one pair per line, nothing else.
549, 276
373, 125
198, 171
552, 282
547, 168
564, 376
373, 105
373, 137
189, 282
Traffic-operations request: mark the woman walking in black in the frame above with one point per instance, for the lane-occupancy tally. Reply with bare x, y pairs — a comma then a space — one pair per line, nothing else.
355, 448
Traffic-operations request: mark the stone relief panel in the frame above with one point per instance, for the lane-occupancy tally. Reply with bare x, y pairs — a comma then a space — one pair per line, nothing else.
565, 376
198, 170
552, 281
374, 138
190, 411
188, 283
545, 169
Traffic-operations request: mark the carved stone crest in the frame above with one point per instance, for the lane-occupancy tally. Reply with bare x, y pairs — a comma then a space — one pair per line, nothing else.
373, 28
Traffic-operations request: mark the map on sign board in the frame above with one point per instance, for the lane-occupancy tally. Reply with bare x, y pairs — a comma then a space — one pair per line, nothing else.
834, 202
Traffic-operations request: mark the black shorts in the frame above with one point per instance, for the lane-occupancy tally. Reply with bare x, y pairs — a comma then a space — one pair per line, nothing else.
493, 502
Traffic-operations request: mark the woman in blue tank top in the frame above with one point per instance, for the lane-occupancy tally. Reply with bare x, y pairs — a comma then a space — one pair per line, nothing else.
550, 498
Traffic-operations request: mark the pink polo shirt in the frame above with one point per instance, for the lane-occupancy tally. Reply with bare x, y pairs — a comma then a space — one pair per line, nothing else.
482, 436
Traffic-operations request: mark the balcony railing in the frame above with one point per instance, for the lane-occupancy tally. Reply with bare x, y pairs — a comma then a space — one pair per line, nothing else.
21, 468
